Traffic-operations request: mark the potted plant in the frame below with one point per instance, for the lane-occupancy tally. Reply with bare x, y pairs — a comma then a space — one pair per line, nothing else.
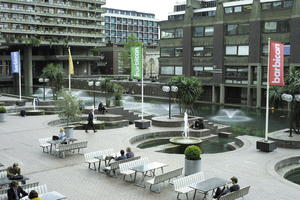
2, 113
192, 160
69, 106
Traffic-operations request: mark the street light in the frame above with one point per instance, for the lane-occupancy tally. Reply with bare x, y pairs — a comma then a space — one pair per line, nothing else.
44, 81
94, 84
169, 89
289, 98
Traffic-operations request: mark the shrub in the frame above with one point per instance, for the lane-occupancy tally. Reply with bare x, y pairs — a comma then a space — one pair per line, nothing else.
2, 109
192, 152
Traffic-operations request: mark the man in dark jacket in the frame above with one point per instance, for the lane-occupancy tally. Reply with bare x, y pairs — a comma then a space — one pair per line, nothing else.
15, 191
90, 123
226, 189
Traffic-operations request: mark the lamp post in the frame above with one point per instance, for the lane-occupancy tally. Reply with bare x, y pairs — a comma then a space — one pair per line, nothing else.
289, 98
44, 81
94, 84
169, 89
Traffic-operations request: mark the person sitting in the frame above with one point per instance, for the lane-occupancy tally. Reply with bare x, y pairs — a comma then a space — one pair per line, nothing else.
226, 189
62, 136
15, 191
122, 156
199, 124
129, 153
14, 172
33, 195
101, 108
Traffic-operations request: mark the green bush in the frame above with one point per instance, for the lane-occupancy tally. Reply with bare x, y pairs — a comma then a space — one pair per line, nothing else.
2, 109
192, 152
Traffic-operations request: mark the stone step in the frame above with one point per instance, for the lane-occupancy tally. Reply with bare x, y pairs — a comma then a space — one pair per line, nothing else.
225, 134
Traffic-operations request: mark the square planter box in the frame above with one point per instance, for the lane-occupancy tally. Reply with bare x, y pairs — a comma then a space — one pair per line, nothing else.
266, 146
142, 124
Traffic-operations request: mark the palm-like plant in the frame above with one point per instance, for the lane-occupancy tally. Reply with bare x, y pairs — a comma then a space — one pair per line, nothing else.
55, 73
108, 87
189, 90
292, 87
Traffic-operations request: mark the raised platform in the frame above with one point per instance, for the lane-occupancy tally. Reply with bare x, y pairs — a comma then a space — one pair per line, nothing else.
164, 121
284, 141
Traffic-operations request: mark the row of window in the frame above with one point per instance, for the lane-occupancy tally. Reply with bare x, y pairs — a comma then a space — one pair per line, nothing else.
277, 5
231, 29
238, 9
130, 28
130, 21
129, 13
125, 34
171, 70
170, 52
119, 40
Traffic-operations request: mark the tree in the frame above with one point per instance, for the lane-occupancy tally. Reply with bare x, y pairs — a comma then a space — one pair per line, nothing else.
292, 87
132, 41
108, 88
118, 93
69, 106
189, 90
55, 73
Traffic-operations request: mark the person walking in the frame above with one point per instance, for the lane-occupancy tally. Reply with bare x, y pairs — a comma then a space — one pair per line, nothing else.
90, 123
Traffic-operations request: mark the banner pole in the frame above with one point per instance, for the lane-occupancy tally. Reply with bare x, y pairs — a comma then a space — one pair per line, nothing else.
268, 89
69, 82
20, 79
142, 84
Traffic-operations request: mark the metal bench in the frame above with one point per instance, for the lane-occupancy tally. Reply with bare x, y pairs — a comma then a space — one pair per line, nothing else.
181, 185
90, 157
40, 189
113, 167
164, 177
26, 186
44, 143
125, 167
236, 194
62, 148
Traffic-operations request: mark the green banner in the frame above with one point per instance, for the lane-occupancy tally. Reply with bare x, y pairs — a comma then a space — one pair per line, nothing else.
136, 62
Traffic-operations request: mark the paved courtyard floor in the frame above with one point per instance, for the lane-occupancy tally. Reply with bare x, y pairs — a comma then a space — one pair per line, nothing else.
71, 177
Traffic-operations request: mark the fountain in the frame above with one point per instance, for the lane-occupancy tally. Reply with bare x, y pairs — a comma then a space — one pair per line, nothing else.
35, 111
231, 116
185, 139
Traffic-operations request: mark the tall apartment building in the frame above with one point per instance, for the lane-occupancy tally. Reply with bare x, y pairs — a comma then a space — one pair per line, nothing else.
224, 43
119, 24
44, 29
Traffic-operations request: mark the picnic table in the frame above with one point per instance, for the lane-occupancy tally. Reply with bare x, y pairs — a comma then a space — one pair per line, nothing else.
106, 158
144, 169
56, 142
208, 185
6, 180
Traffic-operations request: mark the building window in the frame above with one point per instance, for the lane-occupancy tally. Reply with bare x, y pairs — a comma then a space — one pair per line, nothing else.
237, 29
236, 74
178, 52
233, 50
238, 9
277, 5
276, 27
201, 31
203, 71
287, 50
167, 52
179, 33
203, 51
171, 70
205, 14
172, 33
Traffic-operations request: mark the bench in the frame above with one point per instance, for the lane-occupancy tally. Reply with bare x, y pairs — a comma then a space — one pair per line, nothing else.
164, 177
125, 167
113, 167
181, 185
236, 194
90, 157
44, 143
29, 185
41, 189
62, 148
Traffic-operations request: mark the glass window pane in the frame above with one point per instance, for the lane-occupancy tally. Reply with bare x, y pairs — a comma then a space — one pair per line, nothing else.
209, 31
266, 6
167, 52
167, 70
288, 4
228, 10
232, 29
179, 33
167, 34
178, 52
198, 31
243, 51
277, 4
287, 49
231, 50
270, 27
178, 70
238, 9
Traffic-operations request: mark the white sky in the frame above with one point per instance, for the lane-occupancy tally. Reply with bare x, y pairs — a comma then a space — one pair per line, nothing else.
160, 8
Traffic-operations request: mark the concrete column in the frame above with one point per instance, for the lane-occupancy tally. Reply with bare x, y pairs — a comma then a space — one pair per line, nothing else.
27, 63
250, 80
213, 98
294, 34
187, 41
258, 86
4, 68
222, 94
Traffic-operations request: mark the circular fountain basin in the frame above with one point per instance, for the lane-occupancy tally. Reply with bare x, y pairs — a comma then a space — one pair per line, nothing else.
185, 141
35, 112
289, 169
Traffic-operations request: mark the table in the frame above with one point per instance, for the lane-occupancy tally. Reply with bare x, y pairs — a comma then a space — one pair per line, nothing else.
56, 142
105, 158
49, 196
6, 181
208, 185
144, 169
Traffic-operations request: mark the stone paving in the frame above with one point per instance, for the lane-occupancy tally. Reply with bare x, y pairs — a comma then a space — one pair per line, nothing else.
71, 177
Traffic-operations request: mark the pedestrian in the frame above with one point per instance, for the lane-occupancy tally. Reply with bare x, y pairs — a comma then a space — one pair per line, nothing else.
90, 123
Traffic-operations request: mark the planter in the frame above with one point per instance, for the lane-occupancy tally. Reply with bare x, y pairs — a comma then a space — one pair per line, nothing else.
142, 124
192, 166
69, 132
2, 117
266, 146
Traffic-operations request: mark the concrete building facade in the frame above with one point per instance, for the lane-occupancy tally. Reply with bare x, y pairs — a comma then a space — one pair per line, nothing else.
224, 43
42, 30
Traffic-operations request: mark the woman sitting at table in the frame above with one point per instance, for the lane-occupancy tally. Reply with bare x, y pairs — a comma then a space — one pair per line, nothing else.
33, 195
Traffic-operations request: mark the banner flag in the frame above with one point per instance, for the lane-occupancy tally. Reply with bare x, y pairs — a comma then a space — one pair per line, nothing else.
276, 64
15, 62
71, 66
136, 62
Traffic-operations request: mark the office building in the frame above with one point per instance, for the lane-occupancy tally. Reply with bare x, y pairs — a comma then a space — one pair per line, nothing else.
224, 43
